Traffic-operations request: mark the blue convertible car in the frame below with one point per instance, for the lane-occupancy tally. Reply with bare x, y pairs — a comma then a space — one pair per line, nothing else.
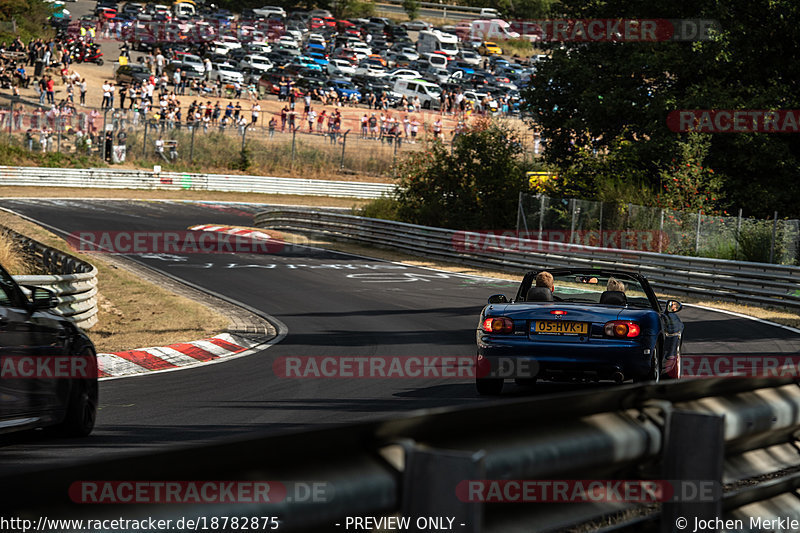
590, 325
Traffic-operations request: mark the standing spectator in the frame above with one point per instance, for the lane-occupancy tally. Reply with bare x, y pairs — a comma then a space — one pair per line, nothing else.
321, 121
437, 128
106, 95
364, 126
373, 126
307, 102
42, 90
284, 118
177, 82
51, 90
159, 63
414, 130
311, 115
83, 87
255, 112
272, 123
407, 127
207, 69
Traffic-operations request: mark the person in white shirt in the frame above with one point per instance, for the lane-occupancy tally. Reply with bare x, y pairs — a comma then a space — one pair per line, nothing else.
106, 95
159, 64
254, 113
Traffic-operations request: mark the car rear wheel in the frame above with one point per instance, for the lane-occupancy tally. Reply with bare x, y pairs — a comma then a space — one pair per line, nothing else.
655, 367
82, 407
489, 387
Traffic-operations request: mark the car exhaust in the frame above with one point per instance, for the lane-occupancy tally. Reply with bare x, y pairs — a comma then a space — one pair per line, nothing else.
619, 377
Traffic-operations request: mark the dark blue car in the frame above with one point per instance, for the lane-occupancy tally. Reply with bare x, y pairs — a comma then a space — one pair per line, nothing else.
592, 325
345, 89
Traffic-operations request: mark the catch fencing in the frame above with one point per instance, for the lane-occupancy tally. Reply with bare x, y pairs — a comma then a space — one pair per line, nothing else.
680, 232
73, 281
737, 281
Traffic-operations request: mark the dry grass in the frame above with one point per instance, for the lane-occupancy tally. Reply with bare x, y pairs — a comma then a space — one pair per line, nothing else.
779, 316
132, 313
12, 258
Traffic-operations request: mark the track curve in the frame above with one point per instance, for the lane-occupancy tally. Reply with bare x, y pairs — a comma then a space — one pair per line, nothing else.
332, 304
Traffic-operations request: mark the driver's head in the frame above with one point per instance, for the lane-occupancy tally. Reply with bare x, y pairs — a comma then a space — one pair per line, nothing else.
545, 279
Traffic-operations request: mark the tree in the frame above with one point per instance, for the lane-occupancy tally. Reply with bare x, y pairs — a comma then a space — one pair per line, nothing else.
411, 8
589, 96
476, 186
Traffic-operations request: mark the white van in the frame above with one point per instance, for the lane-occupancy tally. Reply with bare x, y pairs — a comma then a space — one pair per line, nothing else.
437, 41
429, 93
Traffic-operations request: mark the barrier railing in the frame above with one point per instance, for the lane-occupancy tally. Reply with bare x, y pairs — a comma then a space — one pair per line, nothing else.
737, 281
731, 438
72, 280
133, 179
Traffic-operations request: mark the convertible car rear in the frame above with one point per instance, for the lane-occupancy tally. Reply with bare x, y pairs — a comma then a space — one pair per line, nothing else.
578, 331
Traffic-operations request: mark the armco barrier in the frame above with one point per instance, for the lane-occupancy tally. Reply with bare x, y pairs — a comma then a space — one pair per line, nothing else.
101, 178
737, 281
74, 281
732, 436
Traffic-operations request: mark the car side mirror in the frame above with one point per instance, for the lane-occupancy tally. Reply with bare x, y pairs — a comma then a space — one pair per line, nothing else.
673, 306
498, 299
42, 298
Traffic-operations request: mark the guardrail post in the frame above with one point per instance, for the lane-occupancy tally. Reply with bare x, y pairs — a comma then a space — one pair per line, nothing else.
695, 472
144, 139
661, 232
429, 487
541, 216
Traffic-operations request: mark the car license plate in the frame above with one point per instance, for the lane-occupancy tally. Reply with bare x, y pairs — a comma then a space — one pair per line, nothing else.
560, 327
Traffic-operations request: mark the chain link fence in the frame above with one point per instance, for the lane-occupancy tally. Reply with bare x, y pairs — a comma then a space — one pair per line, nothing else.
636, 227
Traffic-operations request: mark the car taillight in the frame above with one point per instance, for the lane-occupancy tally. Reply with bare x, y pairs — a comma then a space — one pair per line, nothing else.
558, 312
498, 325
621, 328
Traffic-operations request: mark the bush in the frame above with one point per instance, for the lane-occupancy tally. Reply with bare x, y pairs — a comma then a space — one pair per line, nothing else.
474, 186
383, 207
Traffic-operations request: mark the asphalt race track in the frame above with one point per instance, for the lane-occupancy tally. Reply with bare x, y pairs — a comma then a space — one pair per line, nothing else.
332, 304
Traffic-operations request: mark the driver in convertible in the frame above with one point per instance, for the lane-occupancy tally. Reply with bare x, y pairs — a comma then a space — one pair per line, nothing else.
545, 279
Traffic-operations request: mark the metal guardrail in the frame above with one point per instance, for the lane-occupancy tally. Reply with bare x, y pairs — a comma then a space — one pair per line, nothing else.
174, 181
737, 432
72, 280
439, 6
737, 281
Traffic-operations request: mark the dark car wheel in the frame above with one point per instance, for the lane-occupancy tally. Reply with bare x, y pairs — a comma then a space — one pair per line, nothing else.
655, 367
99, 62
489, 387
82, 407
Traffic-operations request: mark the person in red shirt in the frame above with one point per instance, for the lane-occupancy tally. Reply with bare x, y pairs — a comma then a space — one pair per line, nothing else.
51, 90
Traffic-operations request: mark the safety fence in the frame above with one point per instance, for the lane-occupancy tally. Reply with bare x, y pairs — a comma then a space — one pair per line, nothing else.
678, 232
173, 181
737, 281
711, 448
73, 281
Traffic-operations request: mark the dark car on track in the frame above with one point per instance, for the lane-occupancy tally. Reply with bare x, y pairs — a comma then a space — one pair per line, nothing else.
48, 367
578, 332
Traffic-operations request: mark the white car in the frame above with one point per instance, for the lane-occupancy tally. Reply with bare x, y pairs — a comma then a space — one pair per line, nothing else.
226, 73
316, 38
260, 48
361, 50
195, 62
287, 41
402, 73
341, 66
371, 70
256, 62
470, 57
266, 11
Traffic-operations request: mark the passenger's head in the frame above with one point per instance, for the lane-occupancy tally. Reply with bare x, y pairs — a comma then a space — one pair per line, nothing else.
545, 279
615, 285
